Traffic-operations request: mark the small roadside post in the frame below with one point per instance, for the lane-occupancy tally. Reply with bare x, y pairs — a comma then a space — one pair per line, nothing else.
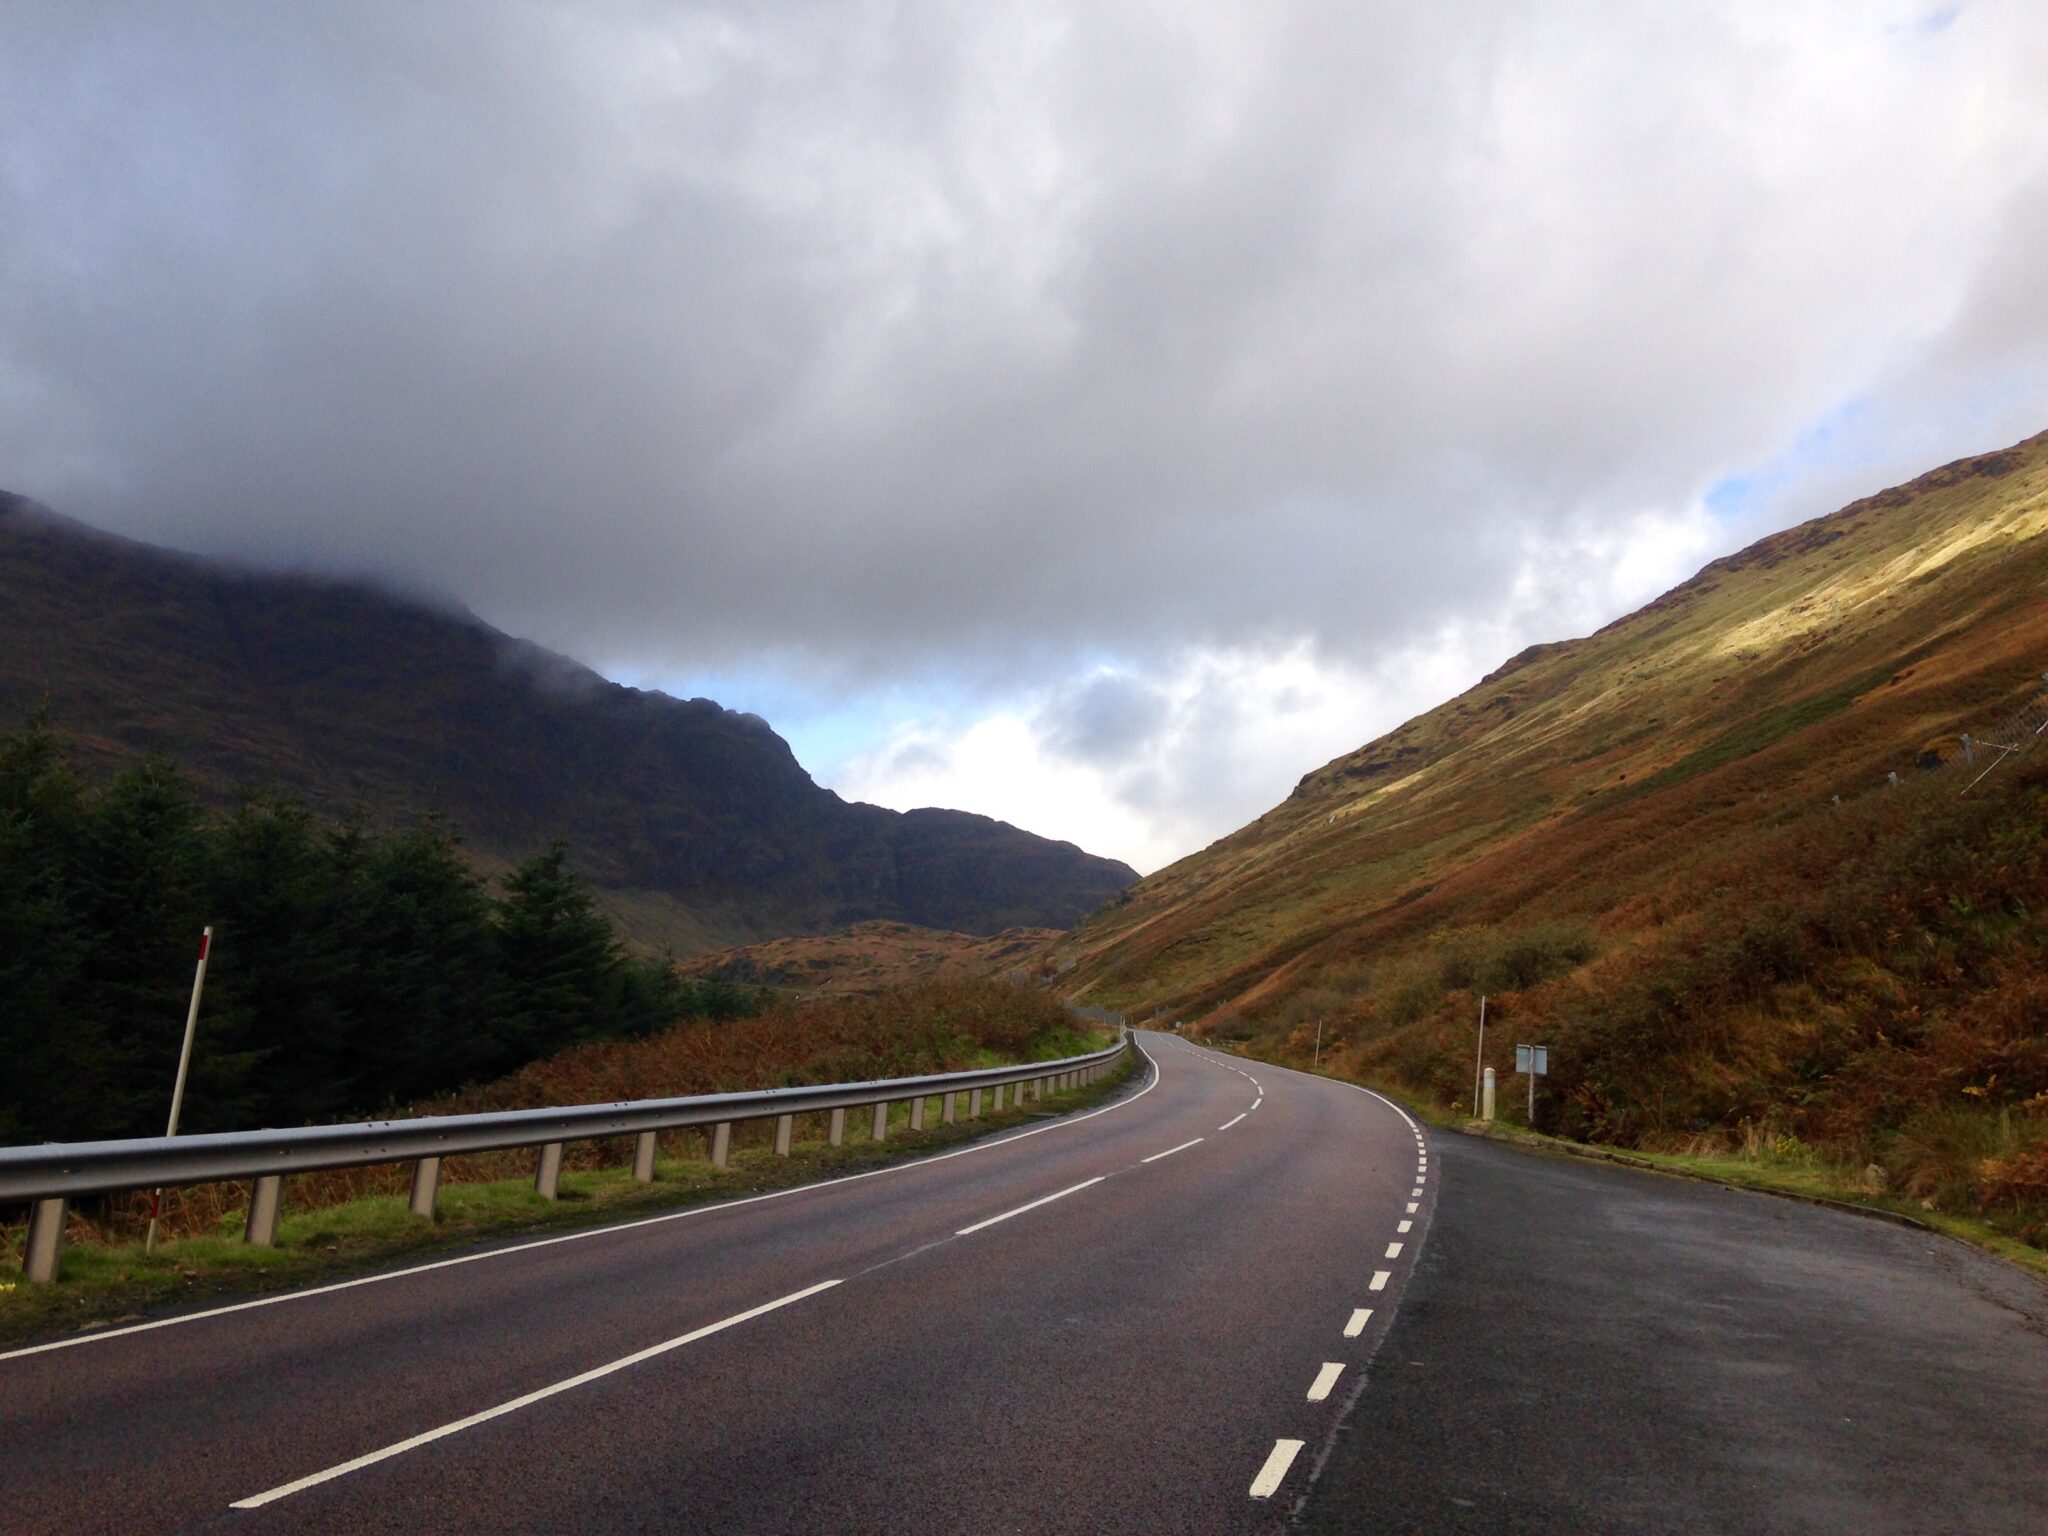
1534, 1061
1479, 1066
156, 1200
1317, 1066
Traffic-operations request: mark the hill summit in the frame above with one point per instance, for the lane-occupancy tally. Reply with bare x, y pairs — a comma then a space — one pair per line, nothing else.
695, 822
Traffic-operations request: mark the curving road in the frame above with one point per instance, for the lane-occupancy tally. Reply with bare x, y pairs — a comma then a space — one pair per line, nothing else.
1151, 1317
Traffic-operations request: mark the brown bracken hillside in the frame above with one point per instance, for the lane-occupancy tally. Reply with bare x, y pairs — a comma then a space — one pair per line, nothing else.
1633, 843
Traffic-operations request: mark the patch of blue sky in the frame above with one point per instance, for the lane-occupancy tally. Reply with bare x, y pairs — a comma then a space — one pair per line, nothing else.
1841, 438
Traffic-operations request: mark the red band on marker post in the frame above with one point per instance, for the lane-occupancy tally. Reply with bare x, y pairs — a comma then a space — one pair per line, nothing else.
205, 943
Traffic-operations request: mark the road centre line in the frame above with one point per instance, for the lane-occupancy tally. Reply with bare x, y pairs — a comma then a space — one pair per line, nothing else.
1061, 1194
1325, 1380
400, 1447
1404, 1226
705, 1209
1393, 1250
1360, 1316
1267, 1483
1226, 1125
1380, 1277
1171, 1150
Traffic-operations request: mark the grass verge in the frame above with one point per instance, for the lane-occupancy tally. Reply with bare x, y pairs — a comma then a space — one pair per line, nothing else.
102, 1286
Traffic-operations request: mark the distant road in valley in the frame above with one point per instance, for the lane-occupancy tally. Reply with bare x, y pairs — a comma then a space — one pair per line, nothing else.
1236, 1299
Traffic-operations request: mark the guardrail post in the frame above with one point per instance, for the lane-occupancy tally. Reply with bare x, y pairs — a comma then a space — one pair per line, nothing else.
426, 1186
547, 1178
45, 1242
946, 1107
721, 1143
643, 1157
785, 1132
881, 1131
266, 1196
974, 1104
997, 1107
1037, 1088
838, 1127
917, 1113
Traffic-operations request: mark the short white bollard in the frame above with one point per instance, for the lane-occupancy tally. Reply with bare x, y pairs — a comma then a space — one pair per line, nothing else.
1486, 1095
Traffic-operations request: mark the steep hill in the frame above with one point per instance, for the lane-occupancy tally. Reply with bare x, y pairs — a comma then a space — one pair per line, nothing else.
1810, 664
1673, 850
695, 822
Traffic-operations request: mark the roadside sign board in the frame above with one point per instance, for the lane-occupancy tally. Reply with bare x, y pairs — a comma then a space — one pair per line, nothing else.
1533, 1060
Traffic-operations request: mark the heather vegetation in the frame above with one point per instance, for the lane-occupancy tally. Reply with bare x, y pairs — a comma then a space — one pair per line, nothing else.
1704, 855
352, 968
1863, 990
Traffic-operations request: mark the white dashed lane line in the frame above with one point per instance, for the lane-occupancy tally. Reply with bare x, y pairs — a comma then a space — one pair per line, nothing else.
1171, 1150
1380, 1277
1393, 1249
1226, 1125
1072, 1189
1360, 1316
1326, 1379
1267, 1483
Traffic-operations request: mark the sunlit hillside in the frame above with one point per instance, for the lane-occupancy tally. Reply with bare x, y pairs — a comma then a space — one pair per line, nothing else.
1633, 841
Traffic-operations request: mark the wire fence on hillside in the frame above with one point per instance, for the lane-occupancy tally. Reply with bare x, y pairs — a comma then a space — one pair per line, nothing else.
1976, 756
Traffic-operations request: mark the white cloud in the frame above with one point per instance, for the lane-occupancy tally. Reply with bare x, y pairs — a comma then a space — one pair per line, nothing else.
1149, 765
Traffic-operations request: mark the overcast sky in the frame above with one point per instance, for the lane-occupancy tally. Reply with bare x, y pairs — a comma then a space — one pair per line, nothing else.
1094, 414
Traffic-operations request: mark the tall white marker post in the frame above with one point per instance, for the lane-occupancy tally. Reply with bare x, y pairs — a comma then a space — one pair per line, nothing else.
1479, 1066
156, 1200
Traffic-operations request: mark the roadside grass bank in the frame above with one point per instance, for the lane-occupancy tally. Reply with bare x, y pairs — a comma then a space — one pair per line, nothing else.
104, 1284
1766, 1165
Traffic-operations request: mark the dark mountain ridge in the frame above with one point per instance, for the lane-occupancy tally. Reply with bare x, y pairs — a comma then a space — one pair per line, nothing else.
695, 822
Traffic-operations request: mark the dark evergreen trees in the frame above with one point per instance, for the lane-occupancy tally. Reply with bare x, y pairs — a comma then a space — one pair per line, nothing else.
352, 969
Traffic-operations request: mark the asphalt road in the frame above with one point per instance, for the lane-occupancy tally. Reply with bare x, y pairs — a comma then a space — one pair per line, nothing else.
1184, 1312
1586, 1348
1106, 1323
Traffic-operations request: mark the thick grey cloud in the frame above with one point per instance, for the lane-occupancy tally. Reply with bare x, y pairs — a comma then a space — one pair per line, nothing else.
891, 340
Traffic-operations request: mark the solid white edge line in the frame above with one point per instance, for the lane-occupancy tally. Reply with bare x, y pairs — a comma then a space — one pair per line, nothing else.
1380, 1277
1059, 1194
1277, 1462
1360, 1316
400, 1447
705, 1209
1226, 1125
1326, 1379
1171, 1150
